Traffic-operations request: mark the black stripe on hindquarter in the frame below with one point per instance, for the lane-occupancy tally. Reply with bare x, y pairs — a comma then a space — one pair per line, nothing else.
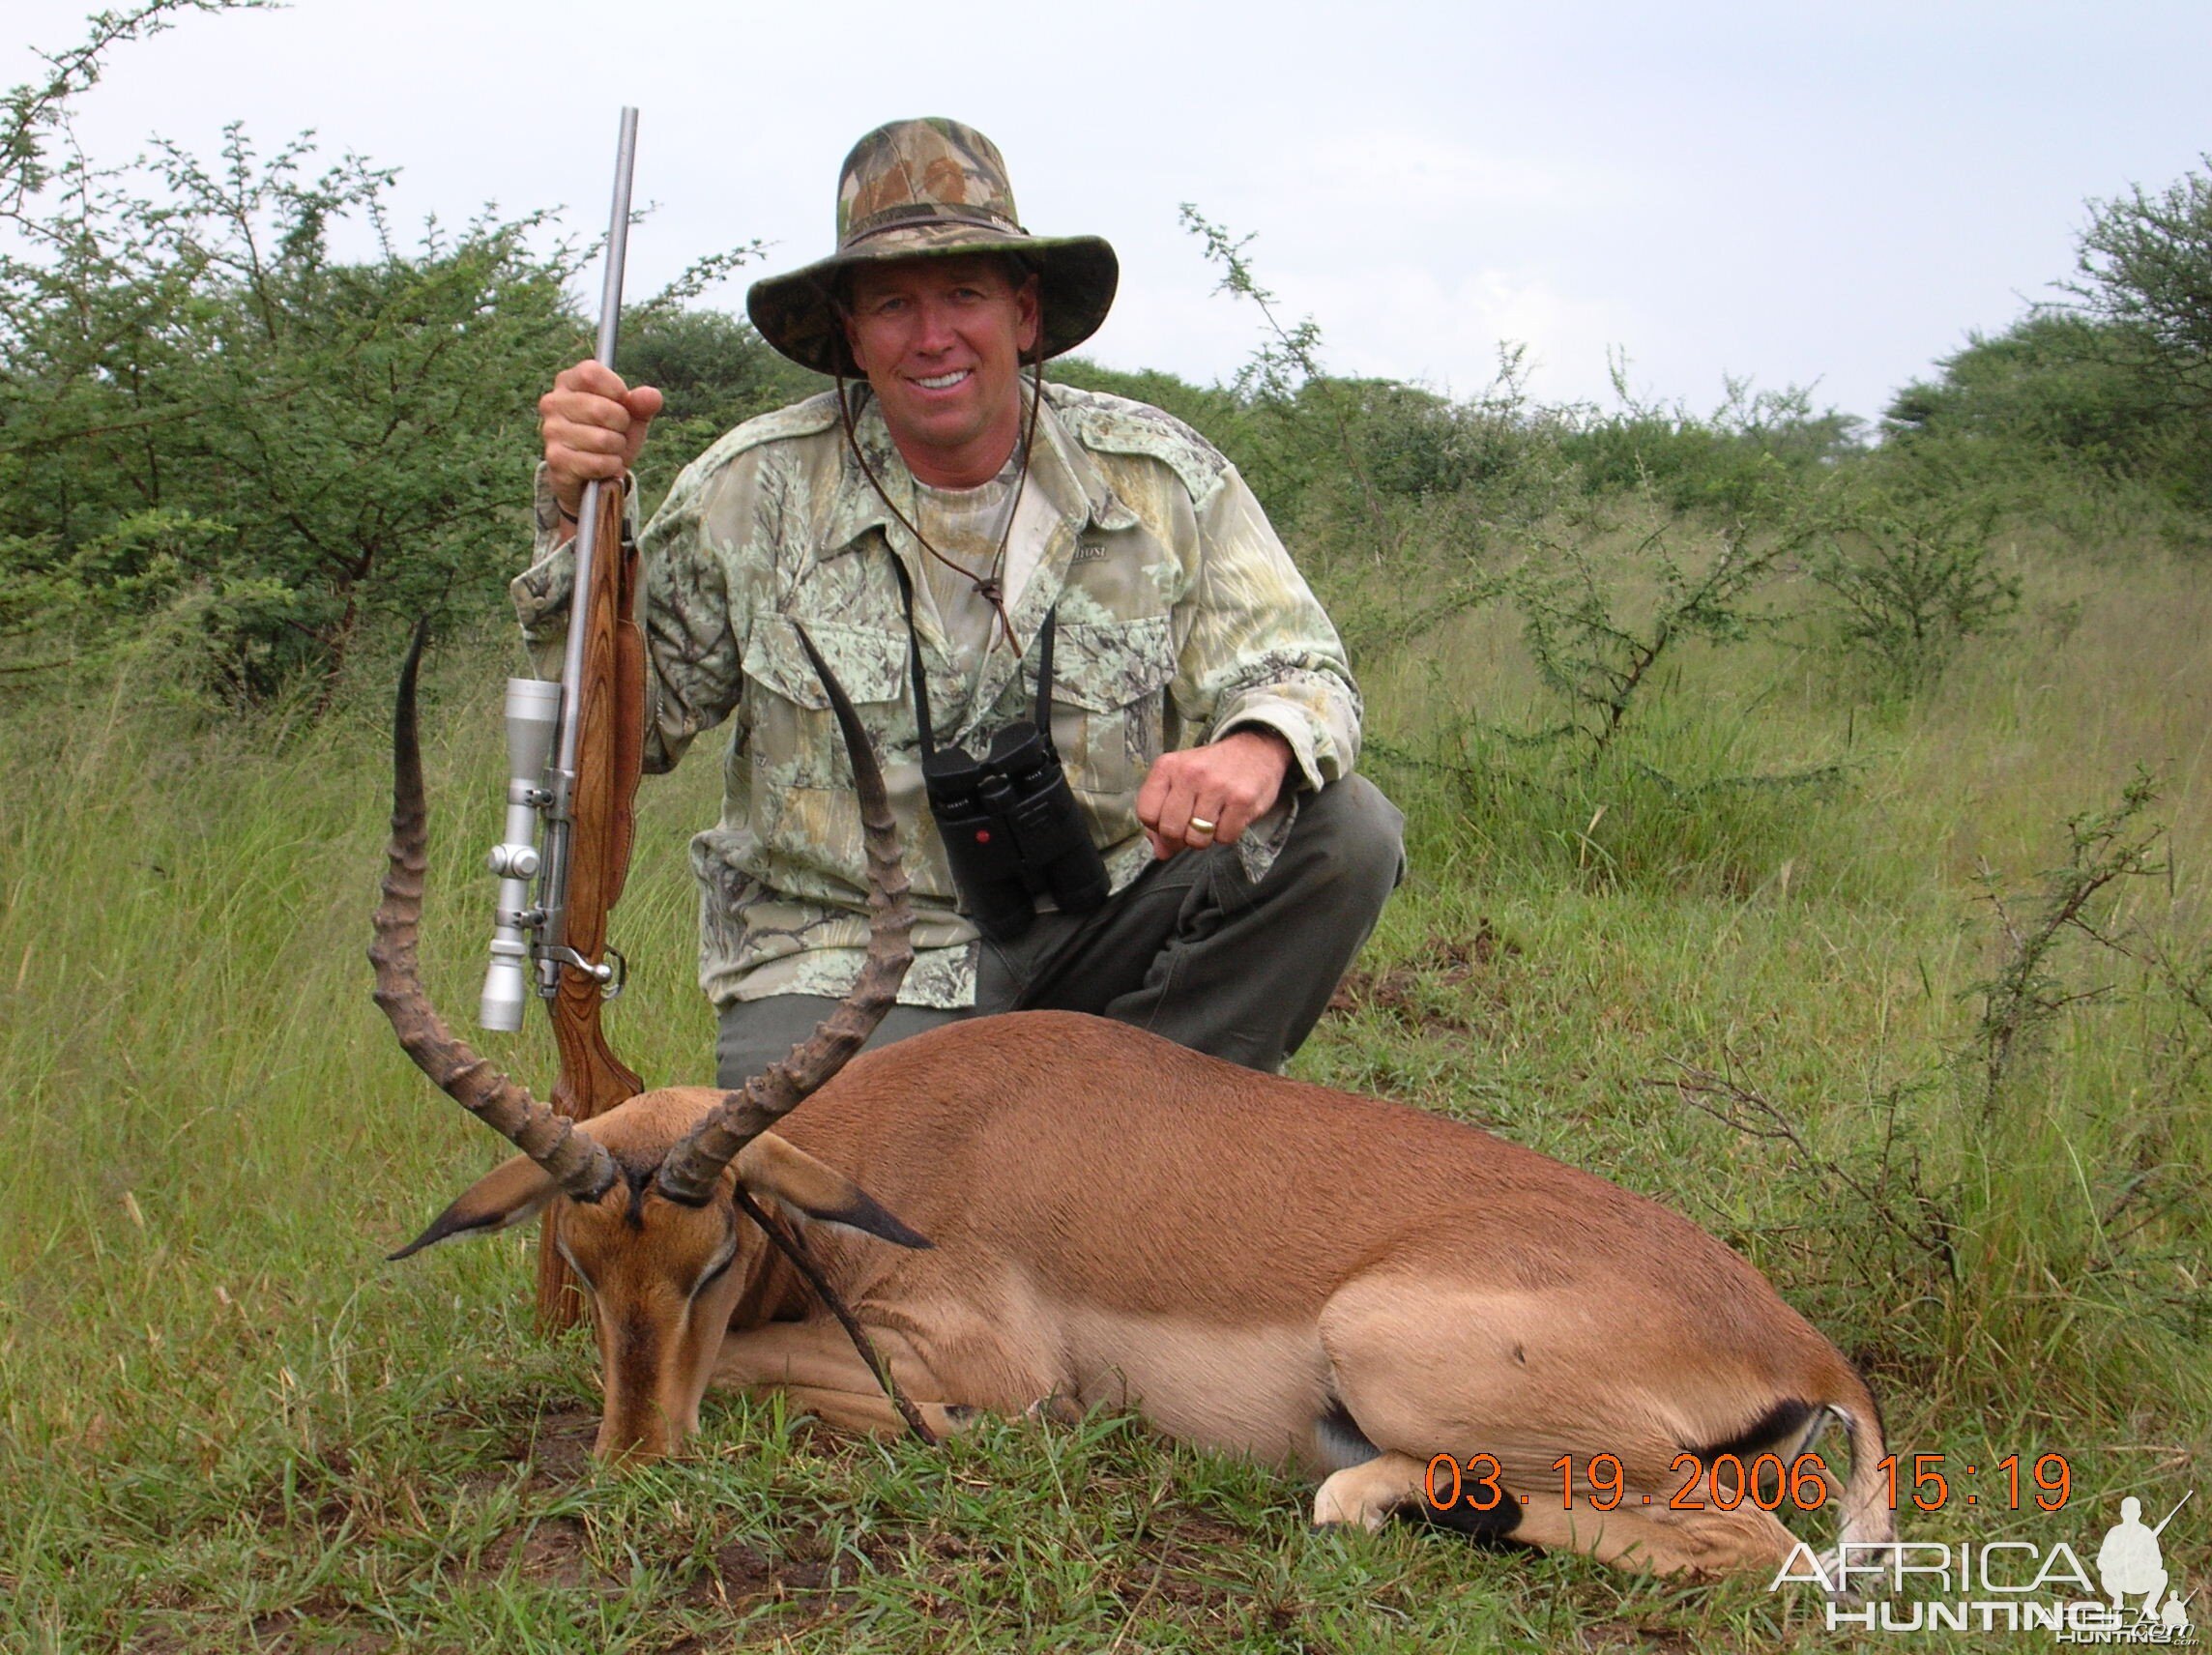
1781, 1424
1491, 1529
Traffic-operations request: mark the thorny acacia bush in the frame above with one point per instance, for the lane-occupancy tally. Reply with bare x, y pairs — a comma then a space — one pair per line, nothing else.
1732, 461
217, 436
222, 442
2144, 270
2006, 1203
1911, 581
1600, 620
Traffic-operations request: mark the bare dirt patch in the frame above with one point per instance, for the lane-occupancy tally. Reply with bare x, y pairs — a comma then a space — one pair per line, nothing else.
553, 1551
557, 1442
1443, 987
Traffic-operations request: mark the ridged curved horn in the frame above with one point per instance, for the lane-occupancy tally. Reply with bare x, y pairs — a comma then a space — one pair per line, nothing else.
580, 1166
692, 1167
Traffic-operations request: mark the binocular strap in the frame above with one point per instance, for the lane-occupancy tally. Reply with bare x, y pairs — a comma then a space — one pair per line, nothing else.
921, 721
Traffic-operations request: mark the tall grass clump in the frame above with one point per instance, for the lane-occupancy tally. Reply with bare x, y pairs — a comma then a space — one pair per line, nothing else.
218, 1144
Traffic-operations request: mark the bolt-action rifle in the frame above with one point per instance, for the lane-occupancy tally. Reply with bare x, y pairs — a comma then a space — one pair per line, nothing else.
575, 751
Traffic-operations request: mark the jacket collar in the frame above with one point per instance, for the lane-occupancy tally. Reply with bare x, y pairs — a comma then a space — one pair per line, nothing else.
1060, 469
1060, 472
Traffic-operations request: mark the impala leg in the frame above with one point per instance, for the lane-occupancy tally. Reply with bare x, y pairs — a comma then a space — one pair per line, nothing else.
1708, 1542
871, 1411
815, 1365
1368, 1492
1475, 1387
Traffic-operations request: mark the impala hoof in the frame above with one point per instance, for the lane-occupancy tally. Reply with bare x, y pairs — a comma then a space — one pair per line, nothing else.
1337, 1506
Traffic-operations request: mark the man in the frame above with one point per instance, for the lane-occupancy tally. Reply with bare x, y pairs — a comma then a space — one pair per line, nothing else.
2128, 1563
932, 526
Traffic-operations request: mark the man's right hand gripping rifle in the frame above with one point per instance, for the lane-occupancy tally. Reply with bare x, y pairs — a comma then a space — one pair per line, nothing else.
593, 427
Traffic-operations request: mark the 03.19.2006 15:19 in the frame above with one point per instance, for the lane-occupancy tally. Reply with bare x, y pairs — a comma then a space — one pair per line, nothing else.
1725, 1482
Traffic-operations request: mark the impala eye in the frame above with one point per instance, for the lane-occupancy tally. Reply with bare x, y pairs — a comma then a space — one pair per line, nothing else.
716, 1271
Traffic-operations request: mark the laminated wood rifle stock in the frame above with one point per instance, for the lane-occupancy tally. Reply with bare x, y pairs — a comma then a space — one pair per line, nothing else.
610, 746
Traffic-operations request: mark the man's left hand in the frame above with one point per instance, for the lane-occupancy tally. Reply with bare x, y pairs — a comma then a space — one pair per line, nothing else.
1207, 795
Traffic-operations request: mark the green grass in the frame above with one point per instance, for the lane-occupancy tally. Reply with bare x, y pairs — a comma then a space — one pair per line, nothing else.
225, 1424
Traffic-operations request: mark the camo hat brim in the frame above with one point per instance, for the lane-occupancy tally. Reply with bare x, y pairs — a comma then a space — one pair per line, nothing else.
931, 189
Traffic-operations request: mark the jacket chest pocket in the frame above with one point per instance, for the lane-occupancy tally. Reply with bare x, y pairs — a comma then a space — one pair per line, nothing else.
1108, 685
795, 740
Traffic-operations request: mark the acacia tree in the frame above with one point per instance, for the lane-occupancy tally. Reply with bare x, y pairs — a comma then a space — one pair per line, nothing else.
2146, 262
204, 414
2113, 385
215, 431
218, 435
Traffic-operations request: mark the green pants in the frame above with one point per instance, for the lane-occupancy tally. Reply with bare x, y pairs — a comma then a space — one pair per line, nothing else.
1191, 949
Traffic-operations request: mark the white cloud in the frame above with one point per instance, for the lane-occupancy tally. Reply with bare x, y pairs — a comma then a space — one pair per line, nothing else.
1394, 174
1413, 321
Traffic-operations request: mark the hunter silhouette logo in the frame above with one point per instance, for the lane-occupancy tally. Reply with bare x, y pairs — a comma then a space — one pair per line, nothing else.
2007, 1586
2130, 1563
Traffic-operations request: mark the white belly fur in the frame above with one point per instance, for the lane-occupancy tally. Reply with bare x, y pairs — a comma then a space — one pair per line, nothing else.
1258, 1390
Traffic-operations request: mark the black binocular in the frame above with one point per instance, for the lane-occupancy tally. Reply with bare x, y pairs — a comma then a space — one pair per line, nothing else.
1011, 827
1012, 830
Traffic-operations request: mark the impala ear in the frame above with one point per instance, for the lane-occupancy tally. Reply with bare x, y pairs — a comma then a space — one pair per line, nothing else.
768, 1166
511, 1193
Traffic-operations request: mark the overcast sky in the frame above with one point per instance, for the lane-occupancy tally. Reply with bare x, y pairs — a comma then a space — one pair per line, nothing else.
1792, 193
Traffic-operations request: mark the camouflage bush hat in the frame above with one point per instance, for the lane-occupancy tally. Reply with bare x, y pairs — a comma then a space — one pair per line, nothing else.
930, 188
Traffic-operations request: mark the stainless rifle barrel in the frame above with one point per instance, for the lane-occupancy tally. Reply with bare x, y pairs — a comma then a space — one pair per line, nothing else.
563, 778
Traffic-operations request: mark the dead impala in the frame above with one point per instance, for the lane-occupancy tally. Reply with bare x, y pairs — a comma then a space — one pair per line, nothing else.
1347, 1286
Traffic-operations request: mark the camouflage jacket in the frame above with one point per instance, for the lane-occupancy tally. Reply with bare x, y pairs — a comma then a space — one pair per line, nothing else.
1181, 617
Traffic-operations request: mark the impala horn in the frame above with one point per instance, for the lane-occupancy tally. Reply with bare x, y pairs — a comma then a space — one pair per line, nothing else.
581, 1166
692, 1168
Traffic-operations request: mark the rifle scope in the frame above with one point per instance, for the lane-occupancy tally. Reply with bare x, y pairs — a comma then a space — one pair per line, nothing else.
533, 716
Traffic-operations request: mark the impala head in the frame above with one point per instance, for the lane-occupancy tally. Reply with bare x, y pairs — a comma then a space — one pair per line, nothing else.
650, 1220
665, 1277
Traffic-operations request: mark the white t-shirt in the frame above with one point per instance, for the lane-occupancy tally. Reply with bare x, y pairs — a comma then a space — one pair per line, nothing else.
966, 525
